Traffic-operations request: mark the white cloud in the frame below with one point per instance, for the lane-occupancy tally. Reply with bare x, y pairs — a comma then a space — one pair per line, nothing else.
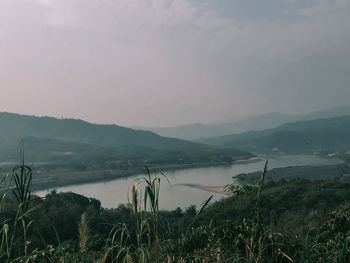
324, 7
159, 57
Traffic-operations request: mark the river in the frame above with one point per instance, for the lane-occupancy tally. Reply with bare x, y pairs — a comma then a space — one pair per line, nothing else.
180, 192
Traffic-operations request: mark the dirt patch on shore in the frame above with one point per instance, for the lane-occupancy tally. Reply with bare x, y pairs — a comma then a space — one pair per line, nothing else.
214, 189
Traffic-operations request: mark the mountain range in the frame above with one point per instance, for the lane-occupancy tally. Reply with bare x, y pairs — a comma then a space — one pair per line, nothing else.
52, 139
329, 134
259, 122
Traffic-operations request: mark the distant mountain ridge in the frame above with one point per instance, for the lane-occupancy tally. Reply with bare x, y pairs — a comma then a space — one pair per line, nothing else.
15, 125
50, 139
259, 122
331, 134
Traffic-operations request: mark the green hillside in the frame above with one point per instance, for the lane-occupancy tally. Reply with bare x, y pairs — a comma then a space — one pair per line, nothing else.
16, 126
297, 220
235, 126
50, 139
332, 134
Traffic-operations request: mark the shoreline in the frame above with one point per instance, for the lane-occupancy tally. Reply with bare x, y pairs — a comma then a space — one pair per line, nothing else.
213, 189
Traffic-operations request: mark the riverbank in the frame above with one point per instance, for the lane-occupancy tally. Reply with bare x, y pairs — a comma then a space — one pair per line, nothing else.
336, 171
214, 189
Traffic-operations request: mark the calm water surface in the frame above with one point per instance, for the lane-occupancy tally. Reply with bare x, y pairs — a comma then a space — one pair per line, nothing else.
180, 192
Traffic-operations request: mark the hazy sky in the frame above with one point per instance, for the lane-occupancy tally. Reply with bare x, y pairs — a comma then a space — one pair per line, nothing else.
169, 62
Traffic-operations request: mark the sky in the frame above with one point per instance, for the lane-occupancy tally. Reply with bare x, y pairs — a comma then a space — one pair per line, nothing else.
172, 62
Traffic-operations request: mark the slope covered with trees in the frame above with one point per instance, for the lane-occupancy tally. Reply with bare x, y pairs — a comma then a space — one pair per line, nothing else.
332, 134
51, 139
285, 221
259, 122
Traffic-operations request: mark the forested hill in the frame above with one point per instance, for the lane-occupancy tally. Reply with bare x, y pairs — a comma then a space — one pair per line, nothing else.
14, 125
258, 122
49, 138
331, 134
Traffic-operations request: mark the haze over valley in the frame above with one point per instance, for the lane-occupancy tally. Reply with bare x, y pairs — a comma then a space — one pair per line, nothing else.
71, 151
258, 122
154, 131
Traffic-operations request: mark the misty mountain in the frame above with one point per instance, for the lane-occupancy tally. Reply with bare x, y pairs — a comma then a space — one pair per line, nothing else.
51, 139
328, 113
259, 122
332, 134
17, 126
186, 132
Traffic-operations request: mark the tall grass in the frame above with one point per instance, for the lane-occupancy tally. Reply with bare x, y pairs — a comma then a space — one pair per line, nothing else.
84, 232
146, 247
18, 184
5, 246
142, 240
15, 244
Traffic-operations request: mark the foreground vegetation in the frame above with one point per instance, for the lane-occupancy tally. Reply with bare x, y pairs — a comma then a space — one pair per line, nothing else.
285, 221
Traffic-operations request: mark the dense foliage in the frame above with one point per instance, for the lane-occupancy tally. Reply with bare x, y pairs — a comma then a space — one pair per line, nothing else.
286, 221
321, 135
65, 140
